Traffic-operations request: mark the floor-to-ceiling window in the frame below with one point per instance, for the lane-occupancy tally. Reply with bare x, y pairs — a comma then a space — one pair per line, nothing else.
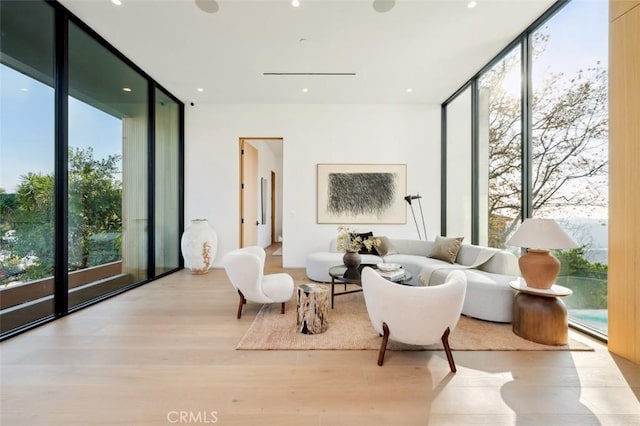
499, 150
107, 172
546, 155
78, 124
569, 144
27, 160
167, 183
458, 166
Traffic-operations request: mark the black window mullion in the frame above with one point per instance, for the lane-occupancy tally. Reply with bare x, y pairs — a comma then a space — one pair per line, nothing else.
526, 105
151, 196
180, 180
443, 170
475, 191
61, 191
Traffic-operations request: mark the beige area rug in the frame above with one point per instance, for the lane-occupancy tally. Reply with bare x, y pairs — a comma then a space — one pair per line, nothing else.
350, 328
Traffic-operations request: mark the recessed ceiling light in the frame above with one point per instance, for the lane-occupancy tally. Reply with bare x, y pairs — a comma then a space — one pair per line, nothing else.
472, 4
24, 89
409, 90
383, 6
305, 90
200, 89
126, 89
295, 3
116, 2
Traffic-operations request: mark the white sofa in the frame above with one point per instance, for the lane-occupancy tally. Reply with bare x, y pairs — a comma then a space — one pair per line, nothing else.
488, 297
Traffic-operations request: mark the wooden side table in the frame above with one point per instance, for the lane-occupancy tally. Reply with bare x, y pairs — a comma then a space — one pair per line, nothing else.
539, 315
312, 308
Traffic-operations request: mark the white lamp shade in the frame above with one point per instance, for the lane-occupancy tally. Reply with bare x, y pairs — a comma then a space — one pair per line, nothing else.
542, 234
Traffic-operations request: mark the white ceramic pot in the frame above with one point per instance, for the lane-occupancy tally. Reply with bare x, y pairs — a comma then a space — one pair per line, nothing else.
199, 244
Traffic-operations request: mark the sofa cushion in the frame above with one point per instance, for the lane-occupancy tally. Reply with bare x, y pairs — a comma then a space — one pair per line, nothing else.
363, 236
415, 247
385, 248
446, 248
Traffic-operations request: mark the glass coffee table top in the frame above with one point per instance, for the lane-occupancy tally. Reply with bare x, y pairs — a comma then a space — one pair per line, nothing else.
340, 274
352, 276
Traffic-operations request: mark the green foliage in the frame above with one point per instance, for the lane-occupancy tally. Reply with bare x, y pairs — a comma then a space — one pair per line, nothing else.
32, 220
7, 208
94, 205
574, 263
587, 280
94, 216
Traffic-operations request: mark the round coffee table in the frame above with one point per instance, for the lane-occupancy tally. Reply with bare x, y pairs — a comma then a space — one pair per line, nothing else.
340, 274
538, 314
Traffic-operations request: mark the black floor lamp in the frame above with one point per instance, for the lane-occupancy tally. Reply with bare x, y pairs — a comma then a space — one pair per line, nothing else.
408, 199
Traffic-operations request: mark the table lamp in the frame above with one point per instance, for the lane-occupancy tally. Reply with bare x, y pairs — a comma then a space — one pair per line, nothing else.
540, 268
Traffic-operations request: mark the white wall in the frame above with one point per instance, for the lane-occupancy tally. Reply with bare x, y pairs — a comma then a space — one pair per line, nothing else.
312, 134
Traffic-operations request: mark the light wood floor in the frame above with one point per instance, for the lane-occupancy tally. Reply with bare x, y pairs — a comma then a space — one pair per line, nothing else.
143, 357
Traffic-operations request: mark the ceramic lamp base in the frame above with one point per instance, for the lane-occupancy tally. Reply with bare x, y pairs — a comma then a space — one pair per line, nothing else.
539, 268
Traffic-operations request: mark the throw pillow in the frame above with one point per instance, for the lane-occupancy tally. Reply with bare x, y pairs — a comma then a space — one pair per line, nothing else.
385, 247
363, 237
446, 248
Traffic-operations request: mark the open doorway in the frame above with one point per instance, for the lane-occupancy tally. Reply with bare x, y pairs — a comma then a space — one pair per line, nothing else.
260, 187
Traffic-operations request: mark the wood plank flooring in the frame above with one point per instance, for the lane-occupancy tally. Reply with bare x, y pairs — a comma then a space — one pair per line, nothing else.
167, 349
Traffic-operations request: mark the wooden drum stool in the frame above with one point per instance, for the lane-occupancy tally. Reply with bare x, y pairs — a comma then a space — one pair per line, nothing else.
313, 308
538, 314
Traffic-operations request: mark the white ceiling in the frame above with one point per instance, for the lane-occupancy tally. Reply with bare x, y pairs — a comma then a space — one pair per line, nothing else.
430, 46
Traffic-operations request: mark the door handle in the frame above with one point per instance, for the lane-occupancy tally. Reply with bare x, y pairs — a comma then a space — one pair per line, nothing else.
257, 223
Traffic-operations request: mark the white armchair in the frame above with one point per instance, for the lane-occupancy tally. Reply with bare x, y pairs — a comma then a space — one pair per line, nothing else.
414, 315
245, 269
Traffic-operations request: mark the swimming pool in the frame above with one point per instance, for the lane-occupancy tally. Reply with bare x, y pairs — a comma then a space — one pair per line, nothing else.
592, 318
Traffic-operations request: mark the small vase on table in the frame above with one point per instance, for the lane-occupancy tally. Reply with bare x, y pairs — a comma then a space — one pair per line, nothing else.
351, 259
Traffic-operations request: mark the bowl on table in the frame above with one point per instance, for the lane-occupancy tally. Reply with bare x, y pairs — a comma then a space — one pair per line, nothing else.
388, 267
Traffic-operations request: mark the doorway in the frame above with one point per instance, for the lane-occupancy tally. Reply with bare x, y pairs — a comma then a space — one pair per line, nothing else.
260, 190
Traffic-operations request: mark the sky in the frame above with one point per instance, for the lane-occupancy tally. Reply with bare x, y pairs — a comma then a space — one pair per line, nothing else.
27, 128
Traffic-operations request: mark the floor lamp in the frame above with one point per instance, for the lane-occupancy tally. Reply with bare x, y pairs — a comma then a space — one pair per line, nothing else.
408, 199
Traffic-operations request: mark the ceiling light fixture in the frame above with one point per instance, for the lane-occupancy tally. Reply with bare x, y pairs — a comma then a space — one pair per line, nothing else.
208, 6
383, 6
24, 89
472, 4
126, 89
305, 90
295, 3
116, 2
409, 90
200, 89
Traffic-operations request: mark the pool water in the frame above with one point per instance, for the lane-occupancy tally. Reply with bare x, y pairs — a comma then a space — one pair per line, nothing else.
592, 318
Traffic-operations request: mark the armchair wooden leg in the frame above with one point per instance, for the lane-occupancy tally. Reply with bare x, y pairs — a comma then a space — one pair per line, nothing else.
447, 350
383, 346
282, 308
242, 302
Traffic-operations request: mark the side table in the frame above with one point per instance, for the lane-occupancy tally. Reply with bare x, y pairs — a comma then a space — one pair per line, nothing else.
312, 309
539, 315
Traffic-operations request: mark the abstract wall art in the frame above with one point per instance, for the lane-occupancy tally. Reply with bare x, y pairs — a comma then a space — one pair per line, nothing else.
362, 193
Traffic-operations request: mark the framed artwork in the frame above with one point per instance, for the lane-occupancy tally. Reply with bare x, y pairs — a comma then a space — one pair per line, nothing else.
362, 193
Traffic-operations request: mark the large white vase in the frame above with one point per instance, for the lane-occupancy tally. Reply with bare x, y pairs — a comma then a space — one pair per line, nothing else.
199, 244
